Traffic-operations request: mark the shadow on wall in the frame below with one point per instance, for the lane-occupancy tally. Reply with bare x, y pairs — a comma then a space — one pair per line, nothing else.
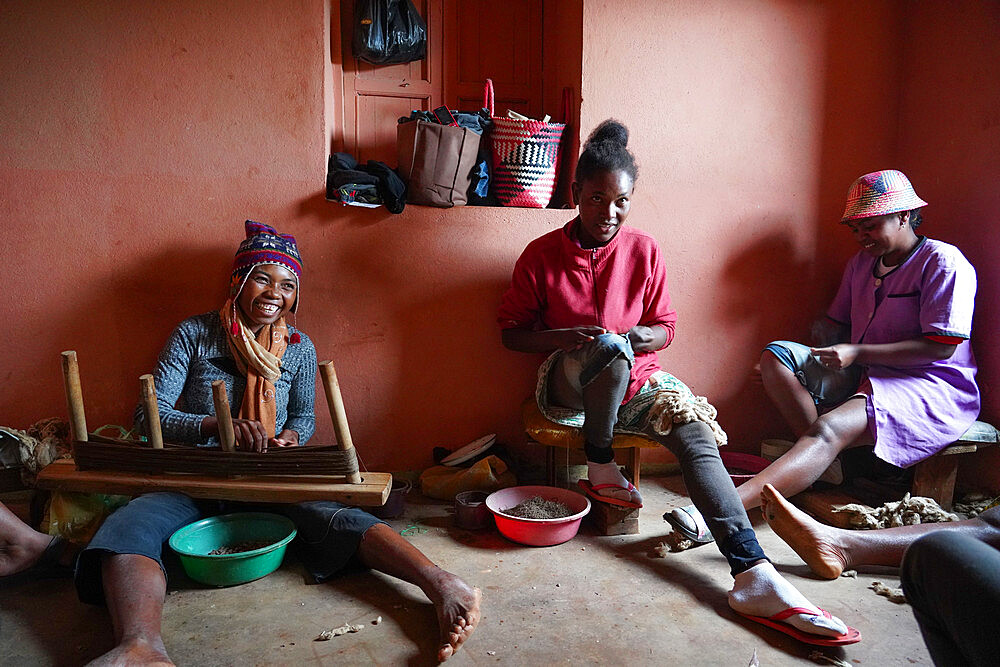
757, 285
860, 132
130, 317
409, 307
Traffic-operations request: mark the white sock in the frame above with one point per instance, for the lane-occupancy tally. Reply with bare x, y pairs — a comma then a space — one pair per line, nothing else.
609, 473
761, 591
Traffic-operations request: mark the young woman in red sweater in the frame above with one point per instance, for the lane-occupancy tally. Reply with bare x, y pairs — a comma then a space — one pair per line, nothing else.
593, 296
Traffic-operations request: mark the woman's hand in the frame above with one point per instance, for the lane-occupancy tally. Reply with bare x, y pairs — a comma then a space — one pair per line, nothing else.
527, 340
249, 434
286, 438
574, 338
836, 357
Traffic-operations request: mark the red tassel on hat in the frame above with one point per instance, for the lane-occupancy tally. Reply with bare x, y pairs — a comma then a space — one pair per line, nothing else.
295, 338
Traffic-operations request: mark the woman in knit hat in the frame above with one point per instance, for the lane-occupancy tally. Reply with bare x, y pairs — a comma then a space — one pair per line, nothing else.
269, 368
900, 373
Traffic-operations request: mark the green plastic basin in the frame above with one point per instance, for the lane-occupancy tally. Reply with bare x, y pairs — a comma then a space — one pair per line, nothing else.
194, 542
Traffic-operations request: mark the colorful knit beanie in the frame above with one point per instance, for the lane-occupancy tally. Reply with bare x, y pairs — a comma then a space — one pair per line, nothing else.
880, 193
264, 245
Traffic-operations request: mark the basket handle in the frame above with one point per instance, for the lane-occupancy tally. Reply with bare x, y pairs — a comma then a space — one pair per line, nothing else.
488, 96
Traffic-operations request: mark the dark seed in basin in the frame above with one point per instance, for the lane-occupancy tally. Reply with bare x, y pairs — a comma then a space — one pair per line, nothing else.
537, 507
238, 548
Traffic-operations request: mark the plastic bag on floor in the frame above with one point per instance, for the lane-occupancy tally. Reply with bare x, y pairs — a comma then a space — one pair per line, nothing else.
77, 516
487, 475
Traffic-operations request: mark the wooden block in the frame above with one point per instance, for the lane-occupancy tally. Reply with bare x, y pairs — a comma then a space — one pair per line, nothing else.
614, 520
935, 478
820, 504
372, 491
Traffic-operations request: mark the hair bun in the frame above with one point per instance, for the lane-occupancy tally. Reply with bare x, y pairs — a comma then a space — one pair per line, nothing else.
610, 130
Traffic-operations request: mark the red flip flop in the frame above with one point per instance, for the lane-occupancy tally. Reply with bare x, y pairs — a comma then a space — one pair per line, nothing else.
592, 491
851, 637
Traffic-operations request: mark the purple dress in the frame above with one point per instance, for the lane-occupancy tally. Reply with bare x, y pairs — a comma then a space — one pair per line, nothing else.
917, 411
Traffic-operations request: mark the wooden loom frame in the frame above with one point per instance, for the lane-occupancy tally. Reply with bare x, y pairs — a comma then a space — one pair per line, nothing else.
369, 489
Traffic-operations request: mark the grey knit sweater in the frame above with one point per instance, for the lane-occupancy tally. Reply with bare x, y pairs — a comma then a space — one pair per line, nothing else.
196, 354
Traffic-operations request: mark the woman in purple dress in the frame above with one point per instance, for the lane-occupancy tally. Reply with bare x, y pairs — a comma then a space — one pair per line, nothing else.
904, 377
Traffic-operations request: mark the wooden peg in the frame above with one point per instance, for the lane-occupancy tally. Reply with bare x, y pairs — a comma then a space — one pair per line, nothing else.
151, 411
227, 436
74, 395
337, 413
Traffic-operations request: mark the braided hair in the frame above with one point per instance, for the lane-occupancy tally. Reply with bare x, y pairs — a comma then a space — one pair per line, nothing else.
606, 150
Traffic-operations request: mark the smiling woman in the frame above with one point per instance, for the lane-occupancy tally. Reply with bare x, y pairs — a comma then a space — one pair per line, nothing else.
901, 375
593, 296
268, 295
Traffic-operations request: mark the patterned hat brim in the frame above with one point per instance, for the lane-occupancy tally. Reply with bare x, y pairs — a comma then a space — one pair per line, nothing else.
893, 202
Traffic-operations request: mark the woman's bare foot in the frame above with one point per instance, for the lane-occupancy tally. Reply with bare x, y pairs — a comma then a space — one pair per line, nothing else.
135, 652
814, 542
457, 606
21, 546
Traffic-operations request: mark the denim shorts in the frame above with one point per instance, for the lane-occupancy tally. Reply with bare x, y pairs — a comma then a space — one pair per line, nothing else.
827, 387
328, 534
581, 366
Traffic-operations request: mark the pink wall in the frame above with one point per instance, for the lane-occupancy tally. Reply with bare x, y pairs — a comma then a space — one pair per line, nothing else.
134, 141
748, 125
950, 140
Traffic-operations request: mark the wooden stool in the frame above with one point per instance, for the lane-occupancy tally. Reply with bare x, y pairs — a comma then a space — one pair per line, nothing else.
935, 477
610, 519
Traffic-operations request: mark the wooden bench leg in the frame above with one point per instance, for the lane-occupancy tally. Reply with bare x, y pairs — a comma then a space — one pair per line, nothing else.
632, 469
550, 465
935, 478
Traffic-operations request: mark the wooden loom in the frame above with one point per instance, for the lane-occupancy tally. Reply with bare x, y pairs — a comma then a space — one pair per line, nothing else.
281, 475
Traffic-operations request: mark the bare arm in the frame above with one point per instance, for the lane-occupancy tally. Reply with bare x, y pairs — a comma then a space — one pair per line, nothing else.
902, 354
647, 339
527, 340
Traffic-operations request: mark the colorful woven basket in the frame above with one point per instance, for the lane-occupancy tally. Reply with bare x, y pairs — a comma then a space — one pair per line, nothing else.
525, 158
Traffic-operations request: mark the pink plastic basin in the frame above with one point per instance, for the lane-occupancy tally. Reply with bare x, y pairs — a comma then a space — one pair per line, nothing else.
537, 532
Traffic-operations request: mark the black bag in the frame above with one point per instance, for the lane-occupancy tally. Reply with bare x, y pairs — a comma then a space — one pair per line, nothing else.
388, 31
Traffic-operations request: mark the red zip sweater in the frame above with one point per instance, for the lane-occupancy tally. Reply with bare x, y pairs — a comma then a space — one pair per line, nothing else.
557, 285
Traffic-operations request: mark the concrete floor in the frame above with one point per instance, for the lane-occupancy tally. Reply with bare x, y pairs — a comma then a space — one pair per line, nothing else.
593, 600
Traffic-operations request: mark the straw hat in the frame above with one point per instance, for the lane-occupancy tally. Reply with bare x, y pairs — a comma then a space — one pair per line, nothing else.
880, 193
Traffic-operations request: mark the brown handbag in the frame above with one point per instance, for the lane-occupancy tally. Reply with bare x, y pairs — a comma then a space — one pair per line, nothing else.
436, 161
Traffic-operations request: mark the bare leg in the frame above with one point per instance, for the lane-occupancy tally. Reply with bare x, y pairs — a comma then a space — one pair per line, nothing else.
20, 545
134, 587
456, 602
793, 401
803, 464
828, 551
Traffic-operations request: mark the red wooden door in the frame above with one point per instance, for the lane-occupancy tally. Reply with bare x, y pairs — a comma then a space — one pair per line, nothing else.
376, 96
468, 41
501, 41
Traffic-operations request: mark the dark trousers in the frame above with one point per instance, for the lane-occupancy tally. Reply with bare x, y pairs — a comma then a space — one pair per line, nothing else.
952, 581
